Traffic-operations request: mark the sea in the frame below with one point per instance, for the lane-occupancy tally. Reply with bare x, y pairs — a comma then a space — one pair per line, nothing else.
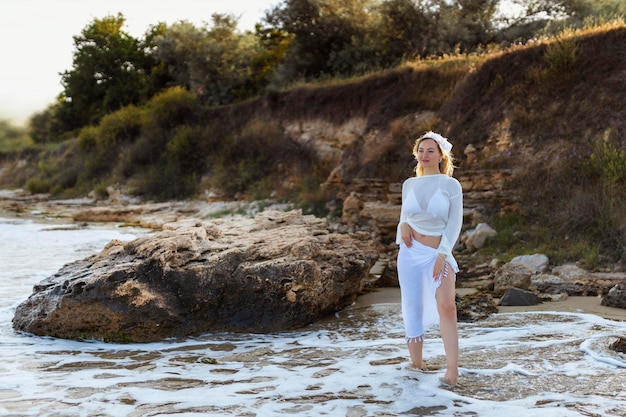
351, 364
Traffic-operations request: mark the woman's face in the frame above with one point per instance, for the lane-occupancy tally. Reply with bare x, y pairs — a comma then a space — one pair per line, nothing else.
428, 154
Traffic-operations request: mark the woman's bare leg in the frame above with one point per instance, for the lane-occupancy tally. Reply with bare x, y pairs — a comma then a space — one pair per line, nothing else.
446, 305
415, 351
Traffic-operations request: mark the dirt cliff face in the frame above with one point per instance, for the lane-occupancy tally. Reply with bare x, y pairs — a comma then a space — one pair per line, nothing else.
511, 111
526, 124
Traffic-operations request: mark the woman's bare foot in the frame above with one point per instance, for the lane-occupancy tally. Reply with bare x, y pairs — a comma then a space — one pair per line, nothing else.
412, 367
449, 379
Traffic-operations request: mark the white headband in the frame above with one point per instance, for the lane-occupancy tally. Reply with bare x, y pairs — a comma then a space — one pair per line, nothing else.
443, 142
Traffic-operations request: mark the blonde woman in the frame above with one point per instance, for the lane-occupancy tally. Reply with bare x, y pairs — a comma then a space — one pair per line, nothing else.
430, 224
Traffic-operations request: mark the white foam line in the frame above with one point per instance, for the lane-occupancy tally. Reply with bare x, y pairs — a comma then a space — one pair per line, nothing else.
511, 367
587, 348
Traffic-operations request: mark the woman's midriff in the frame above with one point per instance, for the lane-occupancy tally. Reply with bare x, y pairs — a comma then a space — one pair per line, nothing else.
432, 241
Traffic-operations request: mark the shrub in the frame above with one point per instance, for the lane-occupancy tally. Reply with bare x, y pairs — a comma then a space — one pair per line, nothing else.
608, 161
260, 150
162, 116
582, 191
38, 185
121, 126
88, 138
561, 54
170, 108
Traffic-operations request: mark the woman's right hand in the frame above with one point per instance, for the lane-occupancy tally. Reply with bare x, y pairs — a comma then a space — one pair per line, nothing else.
406, 233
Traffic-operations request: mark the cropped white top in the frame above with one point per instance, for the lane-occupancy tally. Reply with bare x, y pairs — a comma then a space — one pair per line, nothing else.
433, 206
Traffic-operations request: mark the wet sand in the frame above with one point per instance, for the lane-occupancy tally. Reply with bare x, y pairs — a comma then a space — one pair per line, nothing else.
584, 305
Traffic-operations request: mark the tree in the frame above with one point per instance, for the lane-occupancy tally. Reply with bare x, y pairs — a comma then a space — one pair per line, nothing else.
533, 16
213, 61
45, 126
323, 34
157, 77
404, 31
273, 45
475, 21
109, 70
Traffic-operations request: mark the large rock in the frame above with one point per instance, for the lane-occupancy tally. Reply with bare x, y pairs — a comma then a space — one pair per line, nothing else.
275, 272
536, 263
476, 238
616, 297
518, 297
475, 307
570, 272
511, 275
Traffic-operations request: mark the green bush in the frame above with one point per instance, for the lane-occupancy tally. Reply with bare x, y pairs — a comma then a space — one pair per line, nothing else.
162, 116
171, 108
38, 186
562, 53
88, 139
260, 151
122, 126
582, 191
608, 160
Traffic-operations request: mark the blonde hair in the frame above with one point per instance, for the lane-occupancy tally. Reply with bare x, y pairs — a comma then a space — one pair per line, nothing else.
446, 166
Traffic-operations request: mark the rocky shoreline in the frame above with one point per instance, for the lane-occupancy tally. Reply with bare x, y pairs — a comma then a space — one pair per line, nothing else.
565, 288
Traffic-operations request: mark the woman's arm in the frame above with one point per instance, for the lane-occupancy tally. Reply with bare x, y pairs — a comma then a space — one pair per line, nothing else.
455, 221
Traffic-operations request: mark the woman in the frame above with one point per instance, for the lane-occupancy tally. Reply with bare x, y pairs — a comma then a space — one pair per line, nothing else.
430, 223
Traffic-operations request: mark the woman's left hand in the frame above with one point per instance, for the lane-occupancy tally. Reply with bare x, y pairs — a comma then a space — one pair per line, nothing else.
440, 270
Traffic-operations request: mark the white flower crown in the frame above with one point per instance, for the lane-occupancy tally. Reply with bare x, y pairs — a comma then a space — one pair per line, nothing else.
443, 142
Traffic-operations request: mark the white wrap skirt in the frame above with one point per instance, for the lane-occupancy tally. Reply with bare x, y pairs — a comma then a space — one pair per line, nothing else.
418, 288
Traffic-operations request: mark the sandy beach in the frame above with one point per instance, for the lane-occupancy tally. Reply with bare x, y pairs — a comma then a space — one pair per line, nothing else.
584, 305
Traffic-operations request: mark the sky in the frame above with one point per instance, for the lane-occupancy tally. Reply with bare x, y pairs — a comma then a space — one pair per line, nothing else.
36, 39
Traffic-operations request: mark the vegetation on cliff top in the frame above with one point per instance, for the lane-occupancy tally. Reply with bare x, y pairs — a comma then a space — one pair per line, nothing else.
550, 108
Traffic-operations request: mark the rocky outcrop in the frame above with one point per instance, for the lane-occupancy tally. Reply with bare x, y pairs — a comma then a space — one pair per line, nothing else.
575, 281
278, 271
616, 296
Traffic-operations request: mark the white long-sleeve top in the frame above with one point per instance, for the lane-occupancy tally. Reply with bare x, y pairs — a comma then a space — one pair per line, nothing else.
433, 206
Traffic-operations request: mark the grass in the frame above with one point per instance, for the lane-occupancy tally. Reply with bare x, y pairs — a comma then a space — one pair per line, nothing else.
13, 138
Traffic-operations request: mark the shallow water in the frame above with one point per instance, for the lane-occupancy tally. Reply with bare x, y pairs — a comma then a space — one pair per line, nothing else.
352, 364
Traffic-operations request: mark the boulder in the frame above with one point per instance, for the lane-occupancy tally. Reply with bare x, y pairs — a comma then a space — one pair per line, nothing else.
616, 297
381, 220
278, 271
546, 280
511, 275
536, 263
570, 272
389, 275
518, 297
352, 207
553, 297
475, 306
475, 239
